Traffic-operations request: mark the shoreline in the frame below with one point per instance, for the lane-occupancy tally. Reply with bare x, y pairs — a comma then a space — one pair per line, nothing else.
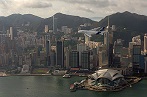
28, 74
143, 78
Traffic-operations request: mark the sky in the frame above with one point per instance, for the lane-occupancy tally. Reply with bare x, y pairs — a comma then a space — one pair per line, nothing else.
94, 9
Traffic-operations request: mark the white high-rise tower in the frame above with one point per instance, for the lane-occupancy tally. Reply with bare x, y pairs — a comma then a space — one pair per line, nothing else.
11, 33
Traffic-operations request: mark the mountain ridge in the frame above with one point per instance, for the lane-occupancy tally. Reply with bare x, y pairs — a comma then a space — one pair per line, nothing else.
133, 23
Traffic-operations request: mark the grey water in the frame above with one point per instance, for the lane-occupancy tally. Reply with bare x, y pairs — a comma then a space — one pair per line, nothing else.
56, 86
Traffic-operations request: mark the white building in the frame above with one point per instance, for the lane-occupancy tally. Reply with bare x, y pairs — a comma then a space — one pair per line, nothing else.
46, 29
11, 33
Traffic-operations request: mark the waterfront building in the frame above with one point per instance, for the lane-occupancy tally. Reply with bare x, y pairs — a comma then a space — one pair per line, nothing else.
20, 60
25, 69
34, 58
80, 48
145, 63
48, 50
106, 77
142, 63
145, 44
74, 59
136, 58
42, 55
85, 60
67, 59
60, 54
53, 58
94, 58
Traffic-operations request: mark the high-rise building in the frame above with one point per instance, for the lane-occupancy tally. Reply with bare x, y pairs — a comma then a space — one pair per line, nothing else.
87, 39
11, 33
85, 60
34, 59
136, 58
60, 54
131, 47
53, 58
67, 59
145, 43
145, 61
54, 24
80, 48
48, 47
108, 41
46, 29
137, 39
103, 59
118, 45
74, 59
46, 38
20, 60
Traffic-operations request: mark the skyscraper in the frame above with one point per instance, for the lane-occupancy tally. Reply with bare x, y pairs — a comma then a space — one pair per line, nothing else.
60, 54
80, 48
48, 52
136, 57
85, 60
11, 33
108, 40
74, 59
54, 24
46, 29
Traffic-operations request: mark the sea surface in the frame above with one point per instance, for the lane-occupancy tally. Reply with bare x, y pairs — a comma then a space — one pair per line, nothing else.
56, 86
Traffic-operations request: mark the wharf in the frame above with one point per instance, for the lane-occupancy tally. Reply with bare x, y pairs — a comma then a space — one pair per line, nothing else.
29, 74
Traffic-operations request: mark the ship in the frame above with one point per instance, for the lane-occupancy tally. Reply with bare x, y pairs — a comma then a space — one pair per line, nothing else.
66, 76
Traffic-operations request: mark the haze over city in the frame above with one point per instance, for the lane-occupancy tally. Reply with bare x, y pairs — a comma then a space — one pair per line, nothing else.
52, 48
94, 9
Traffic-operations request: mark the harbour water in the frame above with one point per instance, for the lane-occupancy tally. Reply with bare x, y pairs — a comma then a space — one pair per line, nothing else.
56, 86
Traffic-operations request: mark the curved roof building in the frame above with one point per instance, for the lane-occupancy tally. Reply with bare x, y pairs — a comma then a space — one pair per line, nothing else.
106, 77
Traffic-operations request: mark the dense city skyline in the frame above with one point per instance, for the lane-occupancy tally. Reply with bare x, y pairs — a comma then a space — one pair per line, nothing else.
94, 9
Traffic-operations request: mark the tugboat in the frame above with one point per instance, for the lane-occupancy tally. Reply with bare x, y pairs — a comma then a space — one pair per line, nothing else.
74, 87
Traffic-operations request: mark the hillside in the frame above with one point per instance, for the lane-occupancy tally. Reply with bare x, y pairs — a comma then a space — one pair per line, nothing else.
37, 24
65, 20
127, 24
18, 20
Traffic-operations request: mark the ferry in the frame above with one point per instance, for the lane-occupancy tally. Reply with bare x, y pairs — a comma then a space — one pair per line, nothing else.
72, 88
66, 76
